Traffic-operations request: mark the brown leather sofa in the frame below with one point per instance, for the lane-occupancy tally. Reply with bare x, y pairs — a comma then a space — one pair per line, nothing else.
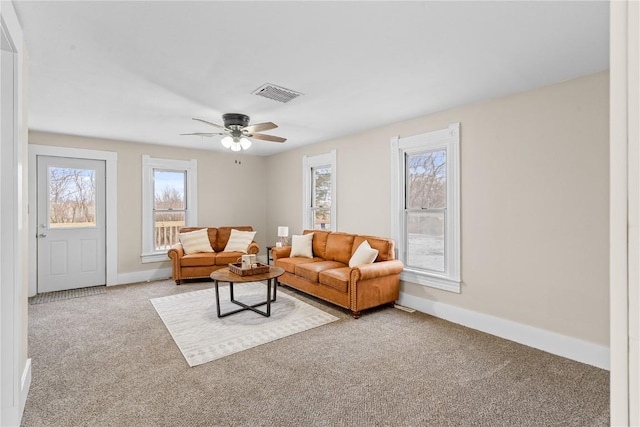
201, 265
328, 276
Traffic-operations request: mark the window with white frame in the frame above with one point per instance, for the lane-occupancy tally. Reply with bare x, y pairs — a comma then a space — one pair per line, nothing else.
426, 207
169, 202
319, 191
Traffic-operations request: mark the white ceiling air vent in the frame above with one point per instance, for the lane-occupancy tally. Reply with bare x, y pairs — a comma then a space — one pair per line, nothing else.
276, 93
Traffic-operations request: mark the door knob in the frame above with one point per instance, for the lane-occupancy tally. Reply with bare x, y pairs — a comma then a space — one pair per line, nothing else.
42, 235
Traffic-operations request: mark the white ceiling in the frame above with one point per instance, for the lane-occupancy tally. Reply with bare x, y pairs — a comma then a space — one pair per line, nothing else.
139, 71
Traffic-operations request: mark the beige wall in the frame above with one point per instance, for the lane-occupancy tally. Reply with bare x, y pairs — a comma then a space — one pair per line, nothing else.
229, 193
535, 202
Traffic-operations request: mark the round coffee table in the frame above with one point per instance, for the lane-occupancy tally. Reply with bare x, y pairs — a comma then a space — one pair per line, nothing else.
224, 275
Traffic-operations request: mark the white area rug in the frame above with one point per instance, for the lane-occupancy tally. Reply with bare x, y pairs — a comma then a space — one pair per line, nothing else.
202, 337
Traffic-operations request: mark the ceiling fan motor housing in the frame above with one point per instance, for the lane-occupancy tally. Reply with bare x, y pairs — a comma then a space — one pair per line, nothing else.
235, 119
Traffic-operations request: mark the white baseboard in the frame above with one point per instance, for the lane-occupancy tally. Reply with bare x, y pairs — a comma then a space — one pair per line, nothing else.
25, 385
12, 416
144, 276
551, 342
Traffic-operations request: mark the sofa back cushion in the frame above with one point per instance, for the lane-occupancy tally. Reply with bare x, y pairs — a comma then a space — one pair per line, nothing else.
211, 232
319, 242
339, 247
223, 234
385, 247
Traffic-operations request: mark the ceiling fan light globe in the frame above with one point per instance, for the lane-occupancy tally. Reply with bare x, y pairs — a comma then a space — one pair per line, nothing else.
245, 143
226, 141
236, 146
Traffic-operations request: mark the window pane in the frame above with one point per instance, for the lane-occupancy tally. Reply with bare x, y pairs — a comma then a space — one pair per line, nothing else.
322, 219
169, 189
167, 227
426, 180
72, 197
321, 187
425, 240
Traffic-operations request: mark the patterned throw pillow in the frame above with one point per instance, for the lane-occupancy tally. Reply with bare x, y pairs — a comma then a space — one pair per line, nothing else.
195, 242
239, 241
365, 254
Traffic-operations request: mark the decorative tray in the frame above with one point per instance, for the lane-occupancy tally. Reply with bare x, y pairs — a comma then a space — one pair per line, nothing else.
257, 268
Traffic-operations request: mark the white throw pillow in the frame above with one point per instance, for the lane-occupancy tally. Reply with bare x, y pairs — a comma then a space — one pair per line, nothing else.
365, 254
239, 241
302, 246
195, 241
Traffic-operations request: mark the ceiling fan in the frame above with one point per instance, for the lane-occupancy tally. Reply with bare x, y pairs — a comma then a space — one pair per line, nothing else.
237, 131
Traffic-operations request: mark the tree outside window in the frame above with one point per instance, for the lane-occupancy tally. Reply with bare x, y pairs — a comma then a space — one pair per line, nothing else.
426, 202
321, 207
72, 197
169, 206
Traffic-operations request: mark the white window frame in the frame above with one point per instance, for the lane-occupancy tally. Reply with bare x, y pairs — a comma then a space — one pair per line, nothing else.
308, 163
149, 254
445, 139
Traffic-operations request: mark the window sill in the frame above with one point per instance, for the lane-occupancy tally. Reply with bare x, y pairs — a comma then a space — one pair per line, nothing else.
154, 257
431, 280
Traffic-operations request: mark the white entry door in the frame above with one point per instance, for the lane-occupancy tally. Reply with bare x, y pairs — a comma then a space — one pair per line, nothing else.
71, 223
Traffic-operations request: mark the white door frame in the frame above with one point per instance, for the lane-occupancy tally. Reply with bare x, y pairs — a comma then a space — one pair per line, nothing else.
624, 212
111, 159
15, 367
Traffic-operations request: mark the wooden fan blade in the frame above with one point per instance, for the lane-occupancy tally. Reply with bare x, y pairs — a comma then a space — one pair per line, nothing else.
203, 134
209, 123
259, 127
267, 137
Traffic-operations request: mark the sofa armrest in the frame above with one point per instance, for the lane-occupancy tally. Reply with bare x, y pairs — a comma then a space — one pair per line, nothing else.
175, 252
253, 248
377, 269
280, 252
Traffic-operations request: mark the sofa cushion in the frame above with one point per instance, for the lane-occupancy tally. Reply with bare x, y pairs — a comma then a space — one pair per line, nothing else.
222, 236
310, 271
239, 241
363, 255
385, 247
301, 246
225, 258
195, 241
339, 247
289, 264
337, 278
198, 260
319, 241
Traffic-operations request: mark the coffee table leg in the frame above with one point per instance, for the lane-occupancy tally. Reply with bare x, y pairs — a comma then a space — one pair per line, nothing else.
215, 283
275, 289
269, 297
231, 291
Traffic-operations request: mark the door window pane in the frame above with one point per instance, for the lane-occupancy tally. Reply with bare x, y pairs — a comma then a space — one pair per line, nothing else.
425, 240
426, 180
72, 197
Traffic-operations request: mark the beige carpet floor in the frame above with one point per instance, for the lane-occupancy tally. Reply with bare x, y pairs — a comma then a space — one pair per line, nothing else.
108, 360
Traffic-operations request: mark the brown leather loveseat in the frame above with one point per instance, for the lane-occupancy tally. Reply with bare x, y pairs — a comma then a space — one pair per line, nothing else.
201, 265
328, 276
